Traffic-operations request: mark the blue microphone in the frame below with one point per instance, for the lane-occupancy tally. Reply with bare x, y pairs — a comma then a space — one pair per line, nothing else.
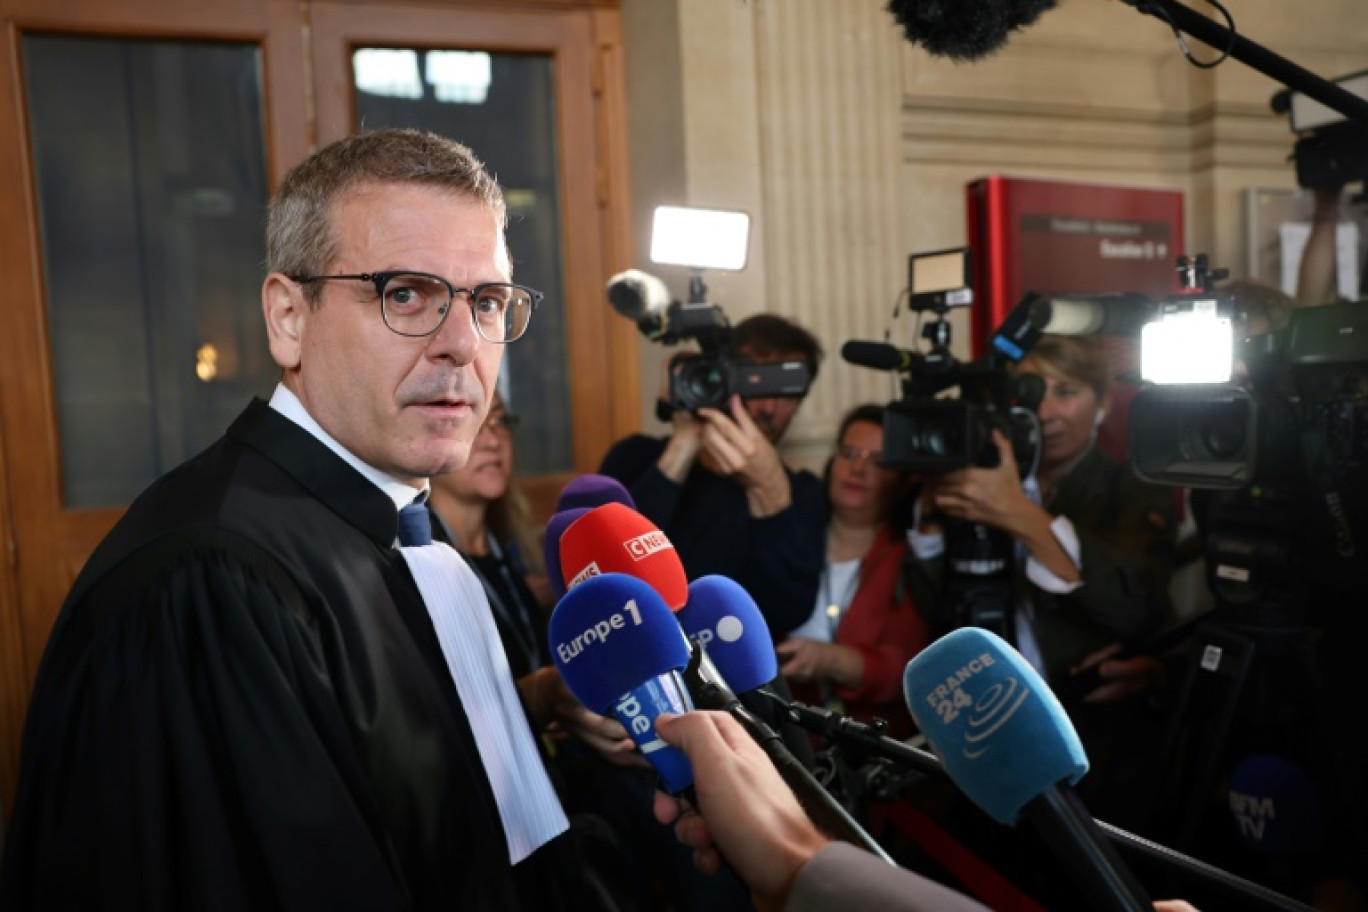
619, 649
1274, 806
724, 620
1007, 743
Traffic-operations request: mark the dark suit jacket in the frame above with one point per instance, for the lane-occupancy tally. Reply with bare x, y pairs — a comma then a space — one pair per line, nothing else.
243, 705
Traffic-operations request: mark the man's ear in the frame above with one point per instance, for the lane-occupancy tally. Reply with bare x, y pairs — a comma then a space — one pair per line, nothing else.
286, 312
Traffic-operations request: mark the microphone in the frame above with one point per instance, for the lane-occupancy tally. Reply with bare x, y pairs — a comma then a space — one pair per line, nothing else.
879, 355
593, 490
1007, 744
642, 298
1275, 806
964, 31
615, 538
1122, 313
618, 648
734, 646
555, 528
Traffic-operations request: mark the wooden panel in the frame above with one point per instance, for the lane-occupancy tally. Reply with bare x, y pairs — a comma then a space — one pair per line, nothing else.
47, 543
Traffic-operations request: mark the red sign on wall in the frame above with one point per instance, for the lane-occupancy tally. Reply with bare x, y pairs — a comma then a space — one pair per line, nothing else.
1059, 238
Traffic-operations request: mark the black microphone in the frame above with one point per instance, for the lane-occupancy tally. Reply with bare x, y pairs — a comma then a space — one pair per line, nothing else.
879, 355
964, 30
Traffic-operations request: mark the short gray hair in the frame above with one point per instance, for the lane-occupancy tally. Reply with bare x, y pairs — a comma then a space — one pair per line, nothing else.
299, 231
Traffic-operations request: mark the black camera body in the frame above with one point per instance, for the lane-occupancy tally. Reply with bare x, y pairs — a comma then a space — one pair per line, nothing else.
710, 376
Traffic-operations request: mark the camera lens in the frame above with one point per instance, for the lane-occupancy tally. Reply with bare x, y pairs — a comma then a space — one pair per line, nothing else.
1215, 432
702, 383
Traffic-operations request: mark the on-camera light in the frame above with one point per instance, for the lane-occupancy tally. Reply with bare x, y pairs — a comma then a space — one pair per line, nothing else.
1191, 345
699, 238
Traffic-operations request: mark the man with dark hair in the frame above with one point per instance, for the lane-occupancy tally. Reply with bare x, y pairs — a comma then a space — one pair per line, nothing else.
267, 690
718, 488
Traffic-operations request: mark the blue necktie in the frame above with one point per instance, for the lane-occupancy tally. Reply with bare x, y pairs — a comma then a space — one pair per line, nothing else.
415, 525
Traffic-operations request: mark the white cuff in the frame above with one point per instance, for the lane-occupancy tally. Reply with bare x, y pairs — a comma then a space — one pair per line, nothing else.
1063, 531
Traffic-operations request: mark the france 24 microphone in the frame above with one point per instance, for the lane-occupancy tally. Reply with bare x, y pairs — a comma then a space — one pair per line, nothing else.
555, 528
619, 649
614, 538
593, 490
1007, 744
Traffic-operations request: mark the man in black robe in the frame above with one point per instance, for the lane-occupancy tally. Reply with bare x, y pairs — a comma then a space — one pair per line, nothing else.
244, 703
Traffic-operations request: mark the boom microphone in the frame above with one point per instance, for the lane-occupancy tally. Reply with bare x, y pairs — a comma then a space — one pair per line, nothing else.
642, 298
1007, 743
964, 30
619, 649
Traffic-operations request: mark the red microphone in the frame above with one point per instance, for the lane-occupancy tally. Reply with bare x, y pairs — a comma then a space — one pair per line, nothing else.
614, 538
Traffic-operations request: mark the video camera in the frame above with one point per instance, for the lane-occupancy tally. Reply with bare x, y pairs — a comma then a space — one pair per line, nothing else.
1284, 455
929, 435
699, 239
1331, 150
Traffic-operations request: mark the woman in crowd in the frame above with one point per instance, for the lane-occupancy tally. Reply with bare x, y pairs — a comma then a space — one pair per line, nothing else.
488, 520
864, 626
1094, 550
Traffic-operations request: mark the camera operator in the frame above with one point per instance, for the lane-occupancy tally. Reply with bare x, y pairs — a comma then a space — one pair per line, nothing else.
719, 489
1095, 548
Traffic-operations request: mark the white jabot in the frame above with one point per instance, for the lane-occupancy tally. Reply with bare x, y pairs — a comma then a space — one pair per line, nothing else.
456, 602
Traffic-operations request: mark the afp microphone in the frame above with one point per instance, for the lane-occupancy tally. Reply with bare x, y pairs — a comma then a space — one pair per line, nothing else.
1008, 745
619, 649
733, 638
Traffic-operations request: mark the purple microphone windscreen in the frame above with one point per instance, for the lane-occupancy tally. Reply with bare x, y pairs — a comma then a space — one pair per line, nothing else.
593, 491
724, 619
619, 649
1000, 731
555, 528
1275, 807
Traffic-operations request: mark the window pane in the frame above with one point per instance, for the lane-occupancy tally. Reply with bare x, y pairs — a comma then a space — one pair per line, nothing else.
504, 107
151, 183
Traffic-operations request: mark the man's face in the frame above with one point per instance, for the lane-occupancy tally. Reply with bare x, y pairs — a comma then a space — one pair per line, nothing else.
772, 415
410, 407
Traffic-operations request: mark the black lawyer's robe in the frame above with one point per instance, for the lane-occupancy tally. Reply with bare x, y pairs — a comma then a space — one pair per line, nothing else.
243, 705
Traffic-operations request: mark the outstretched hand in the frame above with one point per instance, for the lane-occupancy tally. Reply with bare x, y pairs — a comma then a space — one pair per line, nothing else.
552, 704
745, 811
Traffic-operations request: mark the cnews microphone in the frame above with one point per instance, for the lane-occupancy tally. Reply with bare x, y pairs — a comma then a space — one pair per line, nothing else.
615, 538
555, 528
593, 490
619, 649
1008, 745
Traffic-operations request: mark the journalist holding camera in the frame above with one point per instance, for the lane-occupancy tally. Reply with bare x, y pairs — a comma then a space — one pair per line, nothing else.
1094, 544
717, 485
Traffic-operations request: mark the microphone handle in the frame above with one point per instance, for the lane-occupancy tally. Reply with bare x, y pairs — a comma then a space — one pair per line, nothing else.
825, 811
1060, 818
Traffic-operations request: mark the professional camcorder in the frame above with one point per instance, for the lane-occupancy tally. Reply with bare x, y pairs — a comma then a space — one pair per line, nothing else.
1331, 150
929, 435
707, 378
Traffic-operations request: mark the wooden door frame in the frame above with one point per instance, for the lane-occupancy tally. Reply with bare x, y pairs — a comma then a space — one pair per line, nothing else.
47, 543
591, 131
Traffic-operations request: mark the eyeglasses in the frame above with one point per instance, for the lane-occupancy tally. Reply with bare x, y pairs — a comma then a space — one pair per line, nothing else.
417, 303
859, 454
502, 423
